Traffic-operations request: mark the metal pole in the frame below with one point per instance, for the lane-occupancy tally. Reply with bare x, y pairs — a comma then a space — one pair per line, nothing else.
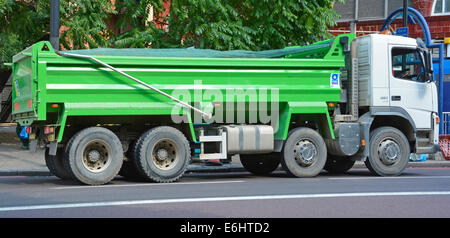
405, 24
54, 24
441, 88
405, 13
353, 26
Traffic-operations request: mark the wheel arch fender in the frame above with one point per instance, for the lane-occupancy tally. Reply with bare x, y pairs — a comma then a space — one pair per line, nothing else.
398, 119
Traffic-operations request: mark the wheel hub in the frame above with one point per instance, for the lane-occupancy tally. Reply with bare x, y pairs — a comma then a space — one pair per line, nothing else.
162, 154
93, 156
304, 152
96, 156
165, 155
389, 152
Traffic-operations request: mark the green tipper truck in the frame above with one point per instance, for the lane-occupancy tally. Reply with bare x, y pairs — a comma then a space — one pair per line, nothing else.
146, 112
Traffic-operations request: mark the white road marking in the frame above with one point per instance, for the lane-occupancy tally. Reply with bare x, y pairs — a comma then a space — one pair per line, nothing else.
219, 199
398, 177
147, 184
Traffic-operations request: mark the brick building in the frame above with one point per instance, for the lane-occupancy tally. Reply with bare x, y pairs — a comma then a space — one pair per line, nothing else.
369, 15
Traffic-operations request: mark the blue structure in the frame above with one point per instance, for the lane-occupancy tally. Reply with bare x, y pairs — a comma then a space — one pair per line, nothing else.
415, 17
445, 97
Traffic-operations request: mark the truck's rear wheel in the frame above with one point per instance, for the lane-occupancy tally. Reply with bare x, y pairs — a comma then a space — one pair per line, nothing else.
55, 163
338, 164
162, 154
260, 164
94, 156
389, 152
304, 153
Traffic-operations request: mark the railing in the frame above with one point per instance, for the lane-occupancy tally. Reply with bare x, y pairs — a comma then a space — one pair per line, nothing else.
444, 139
446, 123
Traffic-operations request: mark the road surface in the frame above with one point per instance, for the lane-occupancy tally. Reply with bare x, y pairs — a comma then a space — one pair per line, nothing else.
419, 192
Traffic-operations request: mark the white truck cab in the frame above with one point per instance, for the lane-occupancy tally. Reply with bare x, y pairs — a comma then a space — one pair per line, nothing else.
392, 97
393, 76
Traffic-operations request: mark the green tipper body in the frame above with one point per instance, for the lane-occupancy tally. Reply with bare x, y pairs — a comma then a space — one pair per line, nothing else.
50, 89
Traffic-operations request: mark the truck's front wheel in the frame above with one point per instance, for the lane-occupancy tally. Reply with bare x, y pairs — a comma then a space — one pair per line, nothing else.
389, 152
304, 153
94, 156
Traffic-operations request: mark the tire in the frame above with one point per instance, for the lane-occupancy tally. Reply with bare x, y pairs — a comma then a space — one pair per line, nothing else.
260, 164
304, 153
389, 152
55, 163
338, 164
162, 154
94, 156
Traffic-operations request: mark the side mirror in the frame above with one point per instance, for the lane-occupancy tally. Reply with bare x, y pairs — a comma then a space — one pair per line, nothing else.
428, 66
428, 60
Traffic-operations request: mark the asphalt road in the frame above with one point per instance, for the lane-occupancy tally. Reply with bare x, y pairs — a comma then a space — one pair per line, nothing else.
419, 192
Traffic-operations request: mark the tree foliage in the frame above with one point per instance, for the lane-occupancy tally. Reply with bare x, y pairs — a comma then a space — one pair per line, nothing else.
135, 24
229, 24
85, 24
212, 24
248, 24
22, 24
28, 21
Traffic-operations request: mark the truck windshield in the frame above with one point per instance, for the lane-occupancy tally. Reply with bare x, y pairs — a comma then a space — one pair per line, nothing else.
407, 64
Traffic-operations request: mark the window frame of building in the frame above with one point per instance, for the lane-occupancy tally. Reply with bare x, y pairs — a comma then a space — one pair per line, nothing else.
355, 12
443, 13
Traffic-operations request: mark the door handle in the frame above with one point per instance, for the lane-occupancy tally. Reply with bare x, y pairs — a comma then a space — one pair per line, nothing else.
396, 98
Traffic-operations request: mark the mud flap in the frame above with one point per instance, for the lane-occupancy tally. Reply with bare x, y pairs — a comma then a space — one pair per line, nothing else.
52, 148
32, 146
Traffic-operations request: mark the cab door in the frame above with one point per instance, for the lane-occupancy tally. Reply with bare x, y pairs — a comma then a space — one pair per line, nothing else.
409, 88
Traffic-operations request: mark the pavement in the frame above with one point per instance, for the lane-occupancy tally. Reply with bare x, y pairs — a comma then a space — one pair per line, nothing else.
16, 161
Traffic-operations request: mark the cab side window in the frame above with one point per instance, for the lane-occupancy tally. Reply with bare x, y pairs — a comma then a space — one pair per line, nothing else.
407, 64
